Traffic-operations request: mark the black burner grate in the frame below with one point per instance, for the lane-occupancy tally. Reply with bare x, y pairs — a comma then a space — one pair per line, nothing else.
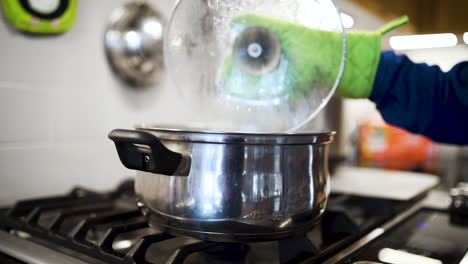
109, 228
26, 219
95, 209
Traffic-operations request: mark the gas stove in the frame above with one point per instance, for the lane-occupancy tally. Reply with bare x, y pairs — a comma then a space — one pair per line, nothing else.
84, 226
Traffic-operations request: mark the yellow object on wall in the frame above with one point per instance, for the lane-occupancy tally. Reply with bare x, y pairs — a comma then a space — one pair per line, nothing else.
29, 16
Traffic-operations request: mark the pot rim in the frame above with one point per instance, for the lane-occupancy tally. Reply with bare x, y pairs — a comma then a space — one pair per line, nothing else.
185, 135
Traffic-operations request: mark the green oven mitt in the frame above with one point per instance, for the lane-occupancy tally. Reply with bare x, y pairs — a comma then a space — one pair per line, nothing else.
275, 59
362, 60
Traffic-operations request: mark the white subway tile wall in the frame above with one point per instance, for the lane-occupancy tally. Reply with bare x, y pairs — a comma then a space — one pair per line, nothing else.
58, 102
24, 110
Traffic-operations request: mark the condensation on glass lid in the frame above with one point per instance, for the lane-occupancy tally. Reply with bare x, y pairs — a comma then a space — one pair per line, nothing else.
267, 65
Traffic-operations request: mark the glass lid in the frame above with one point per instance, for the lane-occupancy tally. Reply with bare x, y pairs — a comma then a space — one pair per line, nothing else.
255, 65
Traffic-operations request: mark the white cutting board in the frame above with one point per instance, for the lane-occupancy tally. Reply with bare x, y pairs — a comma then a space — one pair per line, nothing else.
377, 183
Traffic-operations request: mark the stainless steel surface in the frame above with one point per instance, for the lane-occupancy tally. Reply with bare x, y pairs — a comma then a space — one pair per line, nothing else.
241, 187
32, 253
399, 185
134, 43
188, 135
374, 234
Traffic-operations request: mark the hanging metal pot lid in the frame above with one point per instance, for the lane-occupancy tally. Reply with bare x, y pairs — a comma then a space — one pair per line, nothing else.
134, 43
263, 65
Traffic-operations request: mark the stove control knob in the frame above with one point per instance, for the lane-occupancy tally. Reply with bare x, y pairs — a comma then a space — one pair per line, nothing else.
459, 206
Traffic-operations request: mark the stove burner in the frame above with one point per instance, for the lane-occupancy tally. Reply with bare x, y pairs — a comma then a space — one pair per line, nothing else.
109, 228
222, 254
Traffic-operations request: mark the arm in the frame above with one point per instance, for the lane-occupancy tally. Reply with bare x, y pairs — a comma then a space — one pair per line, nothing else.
422, 98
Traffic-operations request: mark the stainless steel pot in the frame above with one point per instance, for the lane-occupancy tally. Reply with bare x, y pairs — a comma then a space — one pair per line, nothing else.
228, 187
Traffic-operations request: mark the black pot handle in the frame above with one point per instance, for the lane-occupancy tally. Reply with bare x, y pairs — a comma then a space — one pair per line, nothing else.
143, 151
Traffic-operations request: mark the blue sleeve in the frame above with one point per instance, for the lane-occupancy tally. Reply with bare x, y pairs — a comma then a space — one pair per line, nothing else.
423, 99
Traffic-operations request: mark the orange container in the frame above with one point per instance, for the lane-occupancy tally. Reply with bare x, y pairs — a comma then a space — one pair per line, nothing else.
389, 147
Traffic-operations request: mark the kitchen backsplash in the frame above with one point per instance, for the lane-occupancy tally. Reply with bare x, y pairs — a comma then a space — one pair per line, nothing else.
58, 102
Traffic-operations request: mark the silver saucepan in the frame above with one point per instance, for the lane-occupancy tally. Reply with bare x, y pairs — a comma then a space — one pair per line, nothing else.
228, 187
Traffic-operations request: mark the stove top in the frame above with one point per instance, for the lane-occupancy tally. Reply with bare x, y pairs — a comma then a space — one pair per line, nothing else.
428, 237
90, 227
